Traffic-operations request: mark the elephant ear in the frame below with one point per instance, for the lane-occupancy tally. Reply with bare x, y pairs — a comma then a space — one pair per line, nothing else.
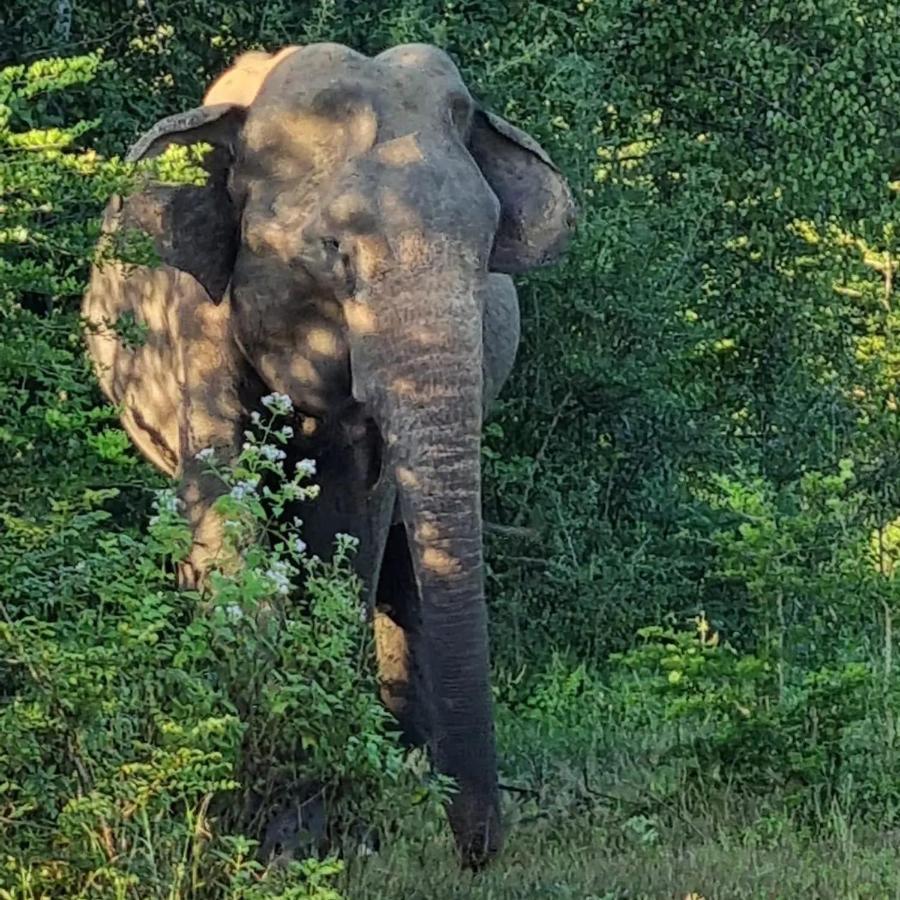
537, 212
194, 227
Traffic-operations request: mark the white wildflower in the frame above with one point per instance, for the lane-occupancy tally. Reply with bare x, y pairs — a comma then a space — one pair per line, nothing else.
279, 574
243, 489
346, 540
286, 431
306, 467
166, 501
255, 418
234, 612
207, 453
273, 454
298, 545
280, 404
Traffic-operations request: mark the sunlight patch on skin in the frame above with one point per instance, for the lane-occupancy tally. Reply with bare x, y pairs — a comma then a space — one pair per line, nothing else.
400, 152
348, 207
304, 371
424, 57
360, 317
413, 249
426, 531
263, 235
370, 255
308, 426
331, 310
191, 492
404, 387
397, 210
406, 477
320, 140
150, 312
391, 647
322, 341
440, 563
424, 337
241, 83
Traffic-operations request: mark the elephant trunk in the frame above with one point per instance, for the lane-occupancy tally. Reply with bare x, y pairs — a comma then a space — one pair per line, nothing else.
417, 365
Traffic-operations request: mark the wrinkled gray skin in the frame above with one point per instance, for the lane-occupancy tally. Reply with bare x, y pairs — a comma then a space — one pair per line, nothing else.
351, 249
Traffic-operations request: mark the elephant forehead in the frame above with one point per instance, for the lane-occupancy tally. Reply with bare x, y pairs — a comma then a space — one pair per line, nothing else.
318, 76
325, 90
285, 134
423, 58
294, 69
325, 58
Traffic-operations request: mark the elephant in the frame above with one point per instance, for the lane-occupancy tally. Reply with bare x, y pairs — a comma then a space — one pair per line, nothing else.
351, 249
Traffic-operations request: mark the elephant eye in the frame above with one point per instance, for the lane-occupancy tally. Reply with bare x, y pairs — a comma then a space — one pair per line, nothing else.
334, 255
461, 113
339, 264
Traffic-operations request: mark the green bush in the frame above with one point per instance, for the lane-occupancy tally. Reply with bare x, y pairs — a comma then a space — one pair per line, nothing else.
735, 723
702, 419
722, 308
147, 732
148, 736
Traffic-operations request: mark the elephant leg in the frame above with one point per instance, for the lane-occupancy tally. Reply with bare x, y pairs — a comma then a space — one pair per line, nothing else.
209, 547
210, 413
398, 640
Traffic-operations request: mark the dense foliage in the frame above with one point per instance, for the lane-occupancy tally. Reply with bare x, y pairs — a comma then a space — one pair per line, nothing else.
699, 440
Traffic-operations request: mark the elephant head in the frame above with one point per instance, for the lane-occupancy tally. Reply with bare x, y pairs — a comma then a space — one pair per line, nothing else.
358, 228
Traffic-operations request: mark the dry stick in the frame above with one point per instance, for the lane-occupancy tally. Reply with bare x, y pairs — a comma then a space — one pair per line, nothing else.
515, 789
662, 801
761, 97
882, 570
592, 792
539, 457
71, 45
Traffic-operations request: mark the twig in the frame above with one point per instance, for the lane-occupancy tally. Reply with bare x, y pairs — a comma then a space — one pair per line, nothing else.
515, 789
71, 45
761, 97
513, 531
539, 457
528, 560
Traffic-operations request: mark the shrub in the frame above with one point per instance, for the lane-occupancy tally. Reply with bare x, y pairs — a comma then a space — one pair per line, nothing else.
144, 731
703, 413
147, 735
737, 724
